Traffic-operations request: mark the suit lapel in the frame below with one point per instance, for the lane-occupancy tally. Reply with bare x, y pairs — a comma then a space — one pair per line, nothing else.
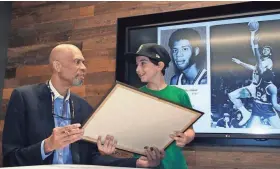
77, 109
77, 119
45, 107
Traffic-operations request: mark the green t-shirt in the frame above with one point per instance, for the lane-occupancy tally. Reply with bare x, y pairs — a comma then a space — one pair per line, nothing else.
174, 158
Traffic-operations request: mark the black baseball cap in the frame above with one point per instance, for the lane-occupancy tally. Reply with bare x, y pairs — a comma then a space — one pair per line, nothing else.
152, 51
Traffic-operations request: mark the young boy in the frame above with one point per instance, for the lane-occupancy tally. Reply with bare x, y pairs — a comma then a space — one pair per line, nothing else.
151, 60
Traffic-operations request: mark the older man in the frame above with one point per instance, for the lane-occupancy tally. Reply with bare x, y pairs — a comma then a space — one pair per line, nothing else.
43, 121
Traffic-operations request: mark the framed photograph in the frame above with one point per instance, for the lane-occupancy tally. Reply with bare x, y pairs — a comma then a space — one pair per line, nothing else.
137, 119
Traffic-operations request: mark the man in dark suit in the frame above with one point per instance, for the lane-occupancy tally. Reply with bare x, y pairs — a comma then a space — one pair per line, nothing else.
43, 121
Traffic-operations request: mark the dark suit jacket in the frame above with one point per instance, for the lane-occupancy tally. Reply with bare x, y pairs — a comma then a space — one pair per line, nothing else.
29, 121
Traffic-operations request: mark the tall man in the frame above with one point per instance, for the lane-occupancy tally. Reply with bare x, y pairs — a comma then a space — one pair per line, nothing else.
42, 123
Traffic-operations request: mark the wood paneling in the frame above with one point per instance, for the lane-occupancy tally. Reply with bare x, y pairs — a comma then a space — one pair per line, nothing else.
38, 26
101, 65
33, 80
11, 83
4, 108
34, 54
100, 78
109, 53
80, 90
100, 42
233, 157
98, 90
7, 93
20, 4
30, 71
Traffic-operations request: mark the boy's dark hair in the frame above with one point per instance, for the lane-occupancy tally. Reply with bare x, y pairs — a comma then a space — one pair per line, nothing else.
155, 62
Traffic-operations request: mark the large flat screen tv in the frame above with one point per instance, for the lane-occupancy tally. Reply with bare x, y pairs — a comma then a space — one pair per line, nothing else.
225, 57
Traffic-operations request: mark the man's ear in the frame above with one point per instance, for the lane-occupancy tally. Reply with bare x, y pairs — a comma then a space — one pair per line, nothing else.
161, 65
56, 66
196, 51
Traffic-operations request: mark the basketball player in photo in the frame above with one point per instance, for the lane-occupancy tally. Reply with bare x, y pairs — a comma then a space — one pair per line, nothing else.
188, 57
264, 63
265, 104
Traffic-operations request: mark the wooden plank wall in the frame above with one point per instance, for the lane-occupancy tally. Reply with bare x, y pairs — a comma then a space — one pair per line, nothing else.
38, 26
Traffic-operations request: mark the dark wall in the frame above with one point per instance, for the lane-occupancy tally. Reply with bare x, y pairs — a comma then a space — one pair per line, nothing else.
5, 20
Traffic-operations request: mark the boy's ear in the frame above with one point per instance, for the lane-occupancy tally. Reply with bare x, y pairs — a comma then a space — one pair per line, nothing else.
196, 51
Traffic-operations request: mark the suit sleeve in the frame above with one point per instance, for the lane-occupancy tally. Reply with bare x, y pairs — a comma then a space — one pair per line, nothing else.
98, 159
15, 151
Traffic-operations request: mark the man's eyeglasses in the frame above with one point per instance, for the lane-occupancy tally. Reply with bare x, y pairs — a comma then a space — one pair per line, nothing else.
64, 110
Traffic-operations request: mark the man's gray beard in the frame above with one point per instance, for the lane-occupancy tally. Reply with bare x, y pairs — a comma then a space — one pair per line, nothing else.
77, 82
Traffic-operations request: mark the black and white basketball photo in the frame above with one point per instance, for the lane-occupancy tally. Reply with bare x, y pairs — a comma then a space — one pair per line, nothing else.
245, 74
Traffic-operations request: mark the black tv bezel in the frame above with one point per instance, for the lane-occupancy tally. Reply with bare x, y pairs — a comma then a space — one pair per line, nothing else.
219, 12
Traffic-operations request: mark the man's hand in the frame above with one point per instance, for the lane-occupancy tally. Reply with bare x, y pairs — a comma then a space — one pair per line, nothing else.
152, 158
236, 60
109, 146
183, 138
63, 136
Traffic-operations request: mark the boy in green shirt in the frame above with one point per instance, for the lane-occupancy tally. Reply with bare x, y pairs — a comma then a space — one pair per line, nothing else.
152, 60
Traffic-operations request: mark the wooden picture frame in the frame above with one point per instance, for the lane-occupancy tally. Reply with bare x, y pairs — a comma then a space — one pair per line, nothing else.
137, 119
